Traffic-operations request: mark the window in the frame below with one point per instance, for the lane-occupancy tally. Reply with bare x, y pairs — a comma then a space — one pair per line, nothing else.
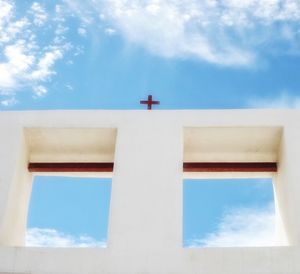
227, 189
69, 212
71, 170
228, 212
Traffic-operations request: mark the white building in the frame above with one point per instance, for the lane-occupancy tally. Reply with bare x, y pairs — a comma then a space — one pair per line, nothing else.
148, 149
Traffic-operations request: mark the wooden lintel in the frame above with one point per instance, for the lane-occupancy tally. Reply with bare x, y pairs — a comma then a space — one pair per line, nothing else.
230, 167
70, 167
187, 167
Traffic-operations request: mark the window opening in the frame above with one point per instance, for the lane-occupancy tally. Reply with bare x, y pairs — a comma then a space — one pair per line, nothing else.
228, 212
227, 189
69, 212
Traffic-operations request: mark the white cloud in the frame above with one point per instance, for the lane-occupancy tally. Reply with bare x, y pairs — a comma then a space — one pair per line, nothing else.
40, 90
46, 62
283, 101
39, 13
61, 29
10, 28
228, 32
48, 237
60, 13
110, 31
27, 58
81, 31
69, 87
5, 10
9, 102
242, 227
18, 62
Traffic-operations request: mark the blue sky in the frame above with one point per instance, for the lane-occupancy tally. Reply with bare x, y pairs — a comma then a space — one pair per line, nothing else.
69, 211
109, 54
72, 54
228, 212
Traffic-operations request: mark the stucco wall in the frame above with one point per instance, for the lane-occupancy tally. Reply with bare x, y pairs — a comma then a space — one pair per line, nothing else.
145, 224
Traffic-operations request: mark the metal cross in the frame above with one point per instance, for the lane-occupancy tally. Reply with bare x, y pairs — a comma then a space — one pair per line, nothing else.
149, 102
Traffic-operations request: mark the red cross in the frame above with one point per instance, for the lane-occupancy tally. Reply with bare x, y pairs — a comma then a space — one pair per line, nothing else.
149, 102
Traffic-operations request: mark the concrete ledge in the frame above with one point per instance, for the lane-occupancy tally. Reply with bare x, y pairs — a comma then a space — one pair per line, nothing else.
263, 260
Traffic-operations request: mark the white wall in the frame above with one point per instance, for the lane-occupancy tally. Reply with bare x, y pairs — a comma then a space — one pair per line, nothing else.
145, 225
